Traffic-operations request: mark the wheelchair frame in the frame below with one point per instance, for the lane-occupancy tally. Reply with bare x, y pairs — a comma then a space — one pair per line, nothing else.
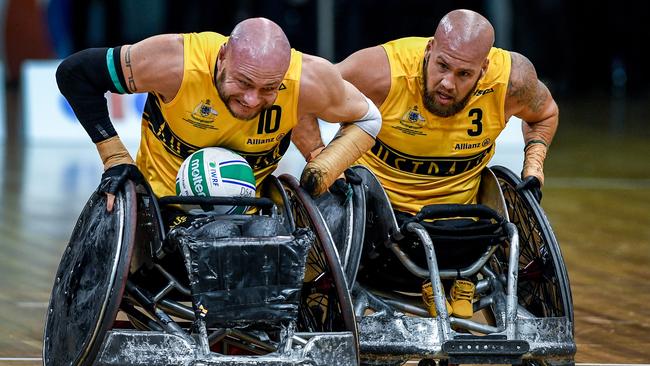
523, 284
162, 330
390, 337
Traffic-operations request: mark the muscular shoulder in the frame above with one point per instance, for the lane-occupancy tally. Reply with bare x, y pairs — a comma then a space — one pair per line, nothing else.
320, 82
146, 61
315, 70
368, 70
523, 86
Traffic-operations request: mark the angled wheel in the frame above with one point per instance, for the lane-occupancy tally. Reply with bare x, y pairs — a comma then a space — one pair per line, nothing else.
543, 286
325, 305
346, 215
90, 280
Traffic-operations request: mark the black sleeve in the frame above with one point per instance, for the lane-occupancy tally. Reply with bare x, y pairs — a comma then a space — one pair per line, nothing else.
83, 79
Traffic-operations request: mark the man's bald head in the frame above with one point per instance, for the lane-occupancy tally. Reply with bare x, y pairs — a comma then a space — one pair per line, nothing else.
251, 67
466, 32
259, 41
455, 60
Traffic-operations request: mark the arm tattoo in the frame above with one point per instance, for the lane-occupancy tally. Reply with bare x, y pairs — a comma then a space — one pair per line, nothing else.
127, 62
523, 84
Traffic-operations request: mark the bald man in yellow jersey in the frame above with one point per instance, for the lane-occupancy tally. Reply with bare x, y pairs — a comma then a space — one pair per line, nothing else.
444, 100
245, 92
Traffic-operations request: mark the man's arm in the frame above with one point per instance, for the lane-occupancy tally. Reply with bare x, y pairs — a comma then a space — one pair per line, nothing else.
84, 78
307, 138
529, 99
324, 94
369, 71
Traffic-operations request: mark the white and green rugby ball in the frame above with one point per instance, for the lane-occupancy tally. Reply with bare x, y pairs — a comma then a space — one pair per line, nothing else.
215, 171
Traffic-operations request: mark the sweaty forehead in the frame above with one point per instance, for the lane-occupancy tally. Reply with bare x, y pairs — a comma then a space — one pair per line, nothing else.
257, 69
257, 62
458, 51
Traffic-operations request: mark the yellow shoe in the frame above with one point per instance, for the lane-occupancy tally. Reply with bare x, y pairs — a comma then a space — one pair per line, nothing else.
462, 294
427, 297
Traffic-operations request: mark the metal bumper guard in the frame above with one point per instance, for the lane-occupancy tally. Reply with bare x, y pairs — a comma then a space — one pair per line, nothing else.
127, 347
399, 338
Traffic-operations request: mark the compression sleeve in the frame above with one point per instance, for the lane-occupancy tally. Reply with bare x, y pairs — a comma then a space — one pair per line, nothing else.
83, 79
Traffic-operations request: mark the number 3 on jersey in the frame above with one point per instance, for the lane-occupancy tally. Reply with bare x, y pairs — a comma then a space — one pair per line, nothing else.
477, 115
269, 120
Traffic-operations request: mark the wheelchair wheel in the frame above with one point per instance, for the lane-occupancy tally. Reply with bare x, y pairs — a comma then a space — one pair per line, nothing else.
90, 280
326, 305
543, 286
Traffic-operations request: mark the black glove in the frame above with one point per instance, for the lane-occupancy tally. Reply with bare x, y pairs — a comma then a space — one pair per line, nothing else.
342, 187
532, 184
352, 177
113, 179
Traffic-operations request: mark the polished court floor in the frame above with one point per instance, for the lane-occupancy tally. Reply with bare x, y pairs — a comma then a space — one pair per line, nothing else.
597, 198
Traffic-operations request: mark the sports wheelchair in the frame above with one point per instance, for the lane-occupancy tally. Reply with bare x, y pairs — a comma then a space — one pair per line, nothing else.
522, 305
141, 286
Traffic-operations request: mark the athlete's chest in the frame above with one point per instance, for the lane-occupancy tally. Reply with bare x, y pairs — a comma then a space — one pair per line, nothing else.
200, 117
410, 127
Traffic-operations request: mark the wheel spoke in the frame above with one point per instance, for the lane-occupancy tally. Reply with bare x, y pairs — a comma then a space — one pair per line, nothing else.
538, 288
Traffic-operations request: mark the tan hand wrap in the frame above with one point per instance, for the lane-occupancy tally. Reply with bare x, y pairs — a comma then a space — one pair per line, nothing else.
338, 155
535, 155
113, 152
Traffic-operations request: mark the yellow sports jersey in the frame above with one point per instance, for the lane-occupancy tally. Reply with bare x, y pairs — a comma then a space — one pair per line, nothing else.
198, 118
421, 158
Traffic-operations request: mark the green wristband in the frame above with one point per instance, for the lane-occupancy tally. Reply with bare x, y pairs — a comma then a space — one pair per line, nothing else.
535, 141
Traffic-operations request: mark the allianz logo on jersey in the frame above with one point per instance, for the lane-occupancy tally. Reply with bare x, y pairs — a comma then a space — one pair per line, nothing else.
265, 140
471, 145
204, 112
413, 118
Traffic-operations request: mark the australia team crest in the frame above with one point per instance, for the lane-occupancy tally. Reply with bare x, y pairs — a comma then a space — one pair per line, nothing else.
204, 112
413, 118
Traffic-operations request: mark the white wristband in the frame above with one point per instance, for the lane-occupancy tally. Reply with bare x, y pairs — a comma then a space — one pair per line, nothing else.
371, 121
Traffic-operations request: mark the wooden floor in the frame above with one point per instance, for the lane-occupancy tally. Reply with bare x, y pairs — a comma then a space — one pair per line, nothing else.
597, 198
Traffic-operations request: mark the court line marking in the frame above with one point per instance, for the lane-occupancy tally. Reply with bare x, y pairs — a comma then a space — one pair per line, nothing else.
32, 304
21, 359
598, 183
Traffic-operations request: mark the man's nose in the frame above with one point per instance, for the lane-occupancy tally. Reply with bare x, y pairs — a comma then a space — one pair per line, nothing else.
251, 98
447, 82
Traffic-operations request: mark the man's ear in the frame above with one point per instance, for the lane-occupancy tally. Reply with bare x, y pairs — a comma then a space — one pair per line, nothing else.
222, 51
429, 45
484, 67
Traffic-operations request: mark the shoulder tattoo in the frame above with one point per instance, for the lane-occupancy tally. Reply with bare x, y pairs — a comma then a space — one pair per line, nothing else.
524, 85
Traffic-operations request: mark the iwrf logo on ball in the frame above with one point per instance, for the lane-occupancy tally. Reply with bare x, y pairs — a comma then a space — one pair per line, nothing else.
214, 174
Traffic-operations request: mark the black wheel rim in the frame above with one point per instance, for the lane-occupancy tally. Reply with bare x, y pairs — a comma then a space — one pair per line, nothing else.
320, 307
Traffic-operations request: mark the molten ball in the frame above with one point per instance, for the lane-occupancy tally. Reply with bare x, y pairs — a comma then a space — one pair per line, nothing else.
215, 171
